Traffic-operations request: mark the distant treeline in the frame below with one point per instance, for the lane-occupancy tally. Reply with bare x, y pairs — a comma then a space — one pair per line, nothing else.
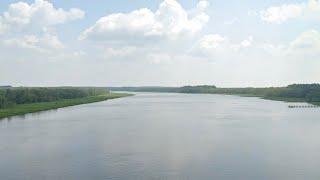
145, 89
6, 86
12, 96
184, 89
304, 92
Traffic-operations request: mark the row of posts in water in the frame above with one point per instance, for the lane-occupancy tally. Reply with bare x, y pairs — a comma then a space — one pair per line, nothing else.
303, 106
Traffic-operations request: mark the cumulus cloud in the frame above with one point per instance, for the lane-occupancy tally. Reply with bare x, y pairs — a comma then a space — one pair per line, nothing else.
211, 41
210, 45
215, 43
41, 13
203, 5
30, 27
280, 14
170, 21
41, 44
306, 45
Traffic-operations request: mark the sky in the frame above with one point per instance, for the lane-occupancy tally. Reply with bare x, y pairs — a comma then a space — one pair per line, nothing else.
159, 42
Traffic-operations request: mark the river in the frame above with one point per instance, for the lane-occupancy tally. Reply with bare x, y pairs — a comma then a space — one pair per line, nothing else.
164, 136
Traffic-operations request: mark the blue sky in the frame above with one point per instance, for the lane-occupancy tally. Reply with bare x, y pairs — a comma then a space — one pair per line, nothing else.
159, 42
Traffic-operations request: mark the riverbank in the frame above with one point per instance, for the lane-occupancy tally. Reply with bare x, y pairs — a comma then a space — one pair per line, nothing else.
283, 99
36, 107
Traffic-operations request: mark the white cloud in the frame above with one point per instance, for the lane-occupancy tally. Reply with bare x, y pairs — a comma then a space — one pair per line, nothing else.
117, 53
210, 45
235, 47
166, 46
247, 42
39, 14
308, 43
203, 5
169, 21
46, 43
213, 44
280, 14
211, 41
29, 29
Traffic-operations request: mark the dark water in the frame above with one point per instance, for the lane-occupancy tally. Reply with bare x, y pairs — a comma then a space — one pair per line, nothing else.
164, 136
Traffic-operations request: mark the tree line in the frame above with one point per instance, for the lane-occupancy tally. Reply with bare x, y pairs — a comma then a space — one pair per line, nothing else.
12, 96
307, 92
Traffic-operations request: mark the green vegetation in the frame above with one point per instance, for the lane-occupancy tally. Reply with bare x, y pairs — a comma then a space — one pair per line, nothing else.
9, 97
198, 89
16, 101
35, 107
293, 93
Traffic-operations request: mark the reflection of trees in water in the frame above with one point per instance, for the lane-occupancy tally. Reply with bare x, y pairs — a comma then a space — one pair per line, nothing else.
25, 116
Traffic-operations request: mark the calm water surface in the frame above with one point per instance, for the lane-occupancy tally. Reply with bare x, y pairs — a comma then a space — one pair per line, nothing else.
164, 136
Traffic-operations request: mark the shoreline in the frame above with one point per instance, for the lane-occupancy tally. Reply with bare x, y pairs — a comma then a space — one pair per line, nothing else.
21, 109
282, 99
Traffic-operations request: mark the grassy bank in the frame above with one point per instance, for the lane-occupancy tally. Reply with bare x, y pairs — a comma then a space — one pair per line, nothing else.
35, 107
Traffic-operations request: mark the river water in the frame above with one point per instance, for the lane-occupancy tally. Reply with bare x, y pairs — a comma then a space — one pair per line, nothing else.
164, 136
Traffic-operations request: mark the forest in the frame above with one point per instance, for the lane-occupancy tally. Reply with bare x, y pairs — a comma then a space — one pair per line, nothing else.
305, 92
9, 97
